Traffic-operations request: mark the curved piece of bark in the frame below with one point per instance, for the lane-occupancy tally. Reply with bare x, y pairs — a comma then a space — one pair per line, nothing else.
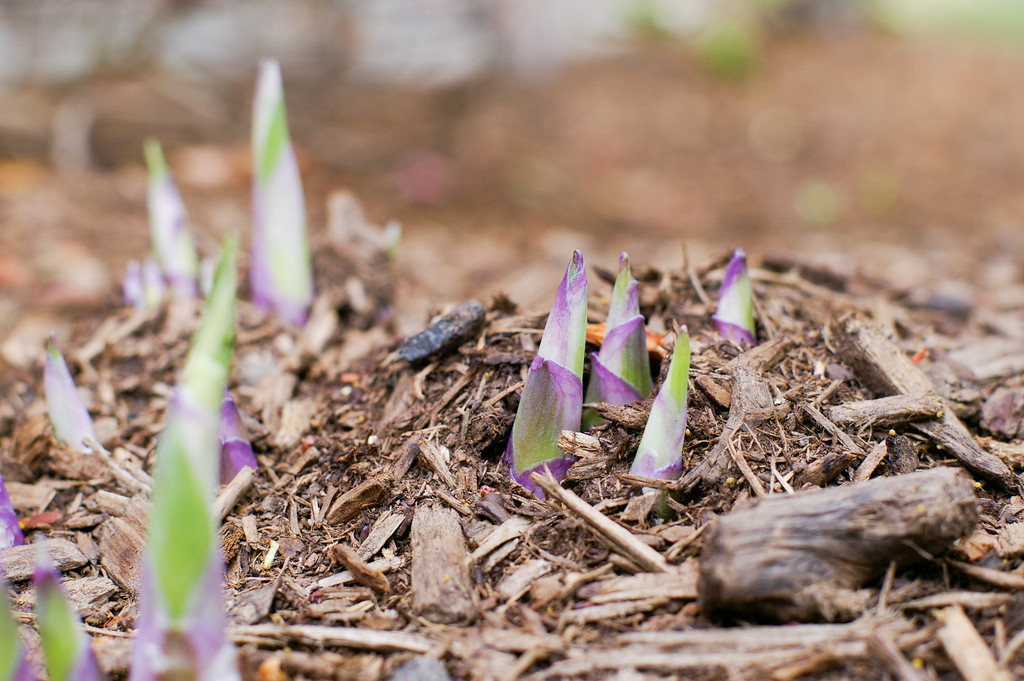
800, 556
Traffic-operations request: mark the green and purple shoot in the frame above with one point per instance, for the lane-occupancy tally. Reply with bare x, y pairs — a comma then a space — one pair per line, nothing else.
280, 271
67, 654
620, 369
10, 528
660, 454
235, 450
181, 629
735, 314
14, 666
173, 245
552, 399
71, 422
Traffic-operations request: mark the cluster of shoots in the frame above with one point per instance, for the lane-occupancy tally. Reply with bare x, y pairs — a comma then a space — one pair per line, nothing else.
620, 374
181, 623
281, 272
174, 266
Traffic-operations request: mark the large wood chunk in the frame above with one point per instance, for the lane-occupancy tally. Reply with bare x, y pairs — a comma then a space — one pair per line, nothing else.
441, 587
800, 556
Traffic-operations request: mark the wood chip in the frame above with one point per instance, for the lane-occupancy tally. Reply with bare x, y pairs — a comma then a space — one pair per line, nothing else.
441, 588
511, 529
382, 529
18, 563
436, 458
870, 462
360, 570
966, 648
353, 502
122, 543
621, 539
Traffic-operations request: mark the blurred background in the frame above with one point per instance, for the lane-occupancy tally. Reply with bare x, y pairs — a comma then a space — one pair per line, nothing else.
884, 137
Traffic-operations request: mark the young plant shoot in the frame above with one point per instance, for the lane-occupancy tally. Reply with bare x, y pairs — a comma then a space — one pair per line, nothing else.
235, 451
10, 528
181, 621
168, 226
621, 370
552, 398
134, 293
68, 416
735, 314
67, 654
14, 666
154, 288
660, 454
280, 271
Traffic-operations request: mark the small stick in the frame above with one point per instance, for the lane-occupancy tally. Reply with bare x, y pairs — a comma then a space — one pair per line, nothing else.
744, 467
619, 537
124, 477
848, 441
966, 648
894, 659
887, 411
233, 491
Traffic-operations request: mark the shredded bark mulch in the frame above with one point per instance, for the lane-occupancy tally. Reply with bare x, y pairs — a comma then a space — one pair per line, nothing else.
848, 508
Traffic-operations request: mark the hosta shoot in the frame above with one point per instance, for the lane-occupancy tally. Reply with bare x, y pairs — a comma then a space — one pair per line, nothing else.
280, 268
168, 225
235, 450
552, 399
13, 664
181, 622
67, 654
621, 370
661, 446
72, 425
10, 528
735, 314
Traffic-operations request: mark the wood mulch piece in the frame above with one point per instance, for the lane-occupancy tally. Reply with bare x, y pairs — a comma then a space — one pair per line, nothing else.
399, 534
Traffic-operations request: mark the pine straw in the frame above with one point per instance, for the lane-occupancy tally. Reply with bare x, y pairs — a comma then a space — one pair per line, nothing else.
359, 448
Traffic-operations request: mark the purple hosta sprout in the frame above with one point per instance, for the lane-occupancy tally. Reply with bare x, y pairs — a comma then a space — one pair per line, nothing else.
10, 528
14, 666
181, 632
280, 270
235, 450
67, 654
154, 288
621, 369
71, 423
552, 398
168, 226
735, 314
661, 446
134, 292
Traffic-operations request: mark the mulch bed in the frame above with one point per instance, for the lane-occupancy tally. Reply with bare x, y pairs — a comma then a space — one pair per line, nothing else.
382, 525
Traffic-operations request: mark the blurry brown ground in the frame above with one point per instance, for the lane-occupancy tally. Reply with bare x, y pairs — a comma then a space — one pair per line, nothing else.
922, 144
